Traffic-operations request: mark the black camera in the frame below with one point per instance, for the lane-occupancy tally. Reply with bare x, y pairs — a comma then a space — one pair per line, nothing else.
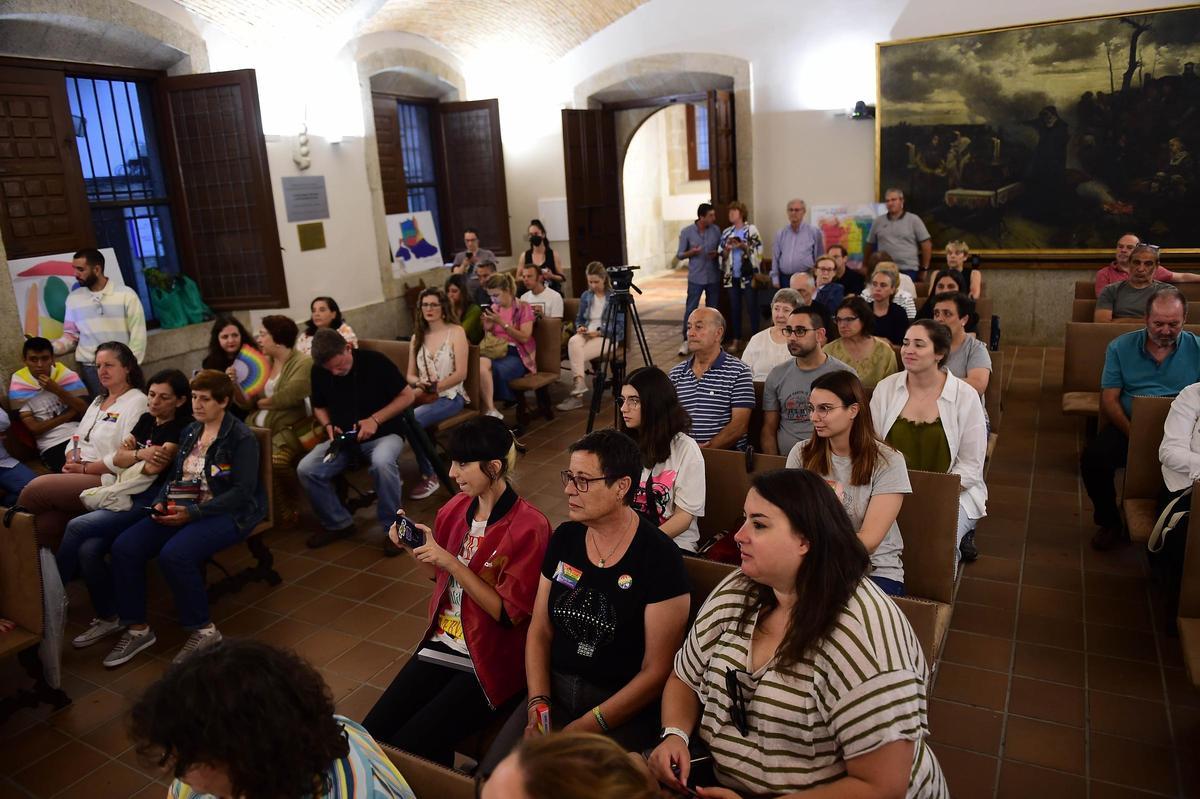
340, 443
621, 277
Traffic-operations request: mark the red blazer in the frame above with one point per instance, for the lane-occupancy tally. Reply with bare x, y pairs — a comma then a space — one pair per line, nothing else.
509, 559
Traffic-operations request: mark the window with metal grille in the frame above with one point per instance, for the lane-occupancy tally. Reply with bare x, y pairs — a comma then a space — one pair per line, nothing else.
123, 176
697, 134
420, 173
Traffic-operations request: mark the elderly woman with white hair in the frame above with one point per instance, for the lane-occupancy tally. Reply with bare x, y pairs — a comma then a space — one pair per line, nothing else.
768, 348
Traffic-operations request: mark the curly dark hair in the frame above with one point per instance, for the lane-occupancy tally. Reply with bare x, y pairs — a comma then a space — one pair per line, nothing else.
217, 358
264, 714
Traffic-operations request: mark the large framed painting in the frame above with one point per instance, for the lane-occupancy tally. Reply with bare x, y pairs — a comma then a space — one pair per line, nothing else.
1048, 140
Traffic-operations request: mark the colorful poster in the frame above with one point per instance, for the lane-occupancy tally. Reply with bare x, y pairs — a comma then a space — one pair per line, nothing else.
847, 225
42, 284
414, 243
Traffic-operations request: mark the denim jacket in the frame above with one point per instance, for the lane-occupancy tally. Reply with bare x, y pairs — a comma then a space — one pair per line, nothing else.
232, 470
585, 310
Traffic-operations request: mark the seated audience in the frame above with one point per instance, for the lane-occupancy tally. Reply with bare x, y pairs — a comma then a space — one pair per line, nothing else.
357, 397
324, 315
1179, 454
483, 273
437, 372
958, 259
592, 321
799, 641
212, 499
852, 275
969, 358
14, 475
947, 281
1126, 299
483, 556
768, 348
269, 730
611, 607
715, 388
1158, 360
544, 300
542, 257
829, 292
904, 293
891, 319
869, 477
803, 284
571, 765
936, 421
1119, 270
49, 399
465, 261
871, 357
226, 340
670, 490
739, 251
785, 395
463, 308
54, 498
511, 321
143, 460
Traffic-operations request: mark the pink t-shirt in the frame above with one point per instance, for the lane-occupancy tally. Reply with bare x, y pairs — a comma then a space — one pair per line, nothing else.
1111, 274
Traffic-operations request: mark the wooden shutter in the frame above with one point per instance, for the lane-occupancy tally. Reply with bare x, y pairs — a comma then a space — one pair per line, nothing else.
722, 153
43, 200
593, 190
391, 155
472, 164
225, 212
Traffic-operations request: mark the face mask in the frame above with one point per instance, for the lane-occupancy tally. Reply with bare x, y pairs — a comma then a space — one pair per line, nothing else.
536, 240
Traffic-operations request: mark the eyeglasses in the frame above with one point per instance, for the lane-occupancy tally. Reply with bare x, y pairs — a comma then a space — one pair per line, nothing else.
737, 710
581, 483
798, 332
822, 410
99, 301
634, 402
845, 320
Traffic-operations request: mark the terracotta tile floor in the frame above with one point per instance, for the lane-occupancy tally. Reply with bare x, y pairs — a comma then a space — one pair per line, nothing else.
1056, 678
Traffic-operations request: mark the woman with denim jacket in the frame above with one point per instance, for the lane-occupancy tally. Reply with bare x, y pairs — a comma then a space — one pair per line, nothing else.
594, 317
211, 500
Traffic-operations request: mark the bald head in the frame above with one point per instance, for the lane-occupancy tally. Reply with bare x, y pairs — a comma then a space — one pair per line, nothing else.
705, 329
802, 284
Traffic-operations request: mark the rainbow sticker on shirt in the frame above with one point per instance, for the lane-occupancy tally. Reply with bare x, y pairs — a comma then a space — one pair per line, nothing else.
220, 469
109, 416
567, 574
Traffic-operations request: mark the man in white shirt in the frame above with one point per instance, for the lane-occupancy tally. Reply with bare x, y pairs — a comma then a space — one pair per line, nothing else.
545, 301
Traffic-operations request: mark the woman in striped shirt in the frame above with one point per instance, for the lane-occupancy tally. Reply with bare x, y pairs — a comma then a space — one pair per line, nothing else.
799, 671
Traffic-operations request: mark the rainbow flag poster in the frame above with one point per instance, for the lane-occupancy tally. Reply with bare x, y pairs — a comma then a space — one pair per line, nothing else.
252, 371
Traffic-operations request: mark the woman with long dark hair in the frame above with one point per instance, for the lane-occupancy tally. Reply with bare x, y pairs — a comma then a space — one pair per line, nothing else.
949, 281
542, 256
324, 313
463, 308
225, 341
799, 639
869, 476
670, 492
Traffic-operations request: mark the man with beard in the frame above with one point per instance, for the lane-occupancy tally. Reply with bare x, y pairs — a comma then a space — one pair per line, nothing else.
786, 417
1156, 361
99, 310
1119, 269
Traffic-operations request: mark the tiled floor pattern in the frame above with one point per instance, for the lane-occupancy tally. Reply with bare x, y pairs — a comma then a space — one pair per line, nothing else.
1056, 680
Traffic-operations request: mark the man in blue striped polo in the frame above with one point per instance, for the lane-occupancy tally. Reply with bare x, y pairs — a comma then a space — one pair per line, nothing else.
715, 388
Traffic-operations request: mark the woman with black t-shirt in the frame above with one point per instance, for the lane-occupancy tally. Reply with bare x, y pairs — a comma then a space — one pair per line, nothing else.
542, 256
611, 609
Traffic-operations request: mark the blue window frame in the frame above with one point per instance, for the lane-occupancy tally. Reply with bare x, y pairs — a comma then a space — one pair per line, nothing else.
420, 170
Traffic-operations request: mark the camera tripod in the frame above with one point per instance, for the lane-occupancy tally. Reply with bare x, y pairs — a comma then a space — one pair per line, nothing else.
613, 353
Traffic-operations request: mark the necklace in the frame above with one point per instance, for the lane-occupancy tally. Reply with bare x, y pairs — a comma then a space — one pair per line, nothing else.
596, 544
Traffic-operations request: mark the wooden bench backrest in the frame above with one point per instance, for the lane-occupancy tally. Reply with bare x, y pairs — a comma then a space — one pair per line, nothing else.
1086, 290
21, 574
1085, 310
266, 475
427, 778
397, 351
547, 332
1189, 589
928, 523
1143, 471
1085, 345
726, 483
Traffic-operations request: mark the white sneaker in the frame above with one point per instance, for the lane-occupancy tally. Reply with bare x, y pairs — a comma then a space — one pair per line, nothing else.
570, 403
426, 488
579, 389
495, 414
128, 646
97, 629
683, 349
198, 641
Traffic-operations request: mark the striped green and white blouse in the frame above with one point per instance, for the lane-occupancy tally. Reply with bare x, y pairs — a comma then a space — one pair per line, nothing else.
860, 688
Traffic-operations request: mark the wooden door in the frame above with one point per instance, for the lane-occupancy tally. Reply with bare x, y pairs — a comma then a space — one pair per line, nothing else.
43, 199
593, 191
391, 156
722, 153
472, 165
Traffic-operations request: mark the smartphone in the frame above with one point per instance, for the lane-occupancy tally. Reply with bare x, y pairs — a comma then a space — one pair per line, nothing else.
154, 511
407, 532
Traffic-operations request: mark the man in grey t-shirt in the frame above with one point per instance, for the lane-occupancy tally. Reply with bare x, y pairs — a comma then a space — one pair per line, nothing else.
902, 235
785, 397
1127, 299
969, 359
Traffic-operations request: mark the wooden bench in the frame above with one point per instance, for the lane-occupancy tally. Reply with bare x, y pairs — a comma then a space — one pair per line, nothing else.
429, 779
397, 352
547, 332
1143, 471
928, 522
1084, 311
264, 562
1086, 289
1083, 363
993, 401
726, 483
1189, 594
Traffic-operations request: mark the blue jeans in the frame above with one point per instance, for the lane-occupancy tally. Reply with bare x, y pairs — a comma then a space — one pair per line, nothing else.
510, 367
85, 546
711, 292
439, 410
12, 480
87, 373
736, 295
182, 553
317, 478
890, 587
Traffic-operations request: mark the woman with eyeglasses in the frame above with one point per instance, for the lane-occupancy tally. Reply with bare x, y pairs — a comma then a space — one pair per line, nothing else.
670, 491
872, 357
483, 556
868, 476
611, 608
800, 642
542, 256
768, 348
54, 498
936, 421
437, 371
511, 321
829, 293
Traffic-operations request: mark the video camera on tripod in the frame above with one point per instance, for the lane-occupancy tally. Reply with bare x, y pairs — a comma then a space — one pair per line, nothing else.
614, 352
621, 278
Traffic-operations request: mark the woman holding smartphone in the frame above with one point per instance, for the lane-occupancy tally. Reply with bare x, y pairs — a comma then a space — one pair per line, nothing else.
483, 555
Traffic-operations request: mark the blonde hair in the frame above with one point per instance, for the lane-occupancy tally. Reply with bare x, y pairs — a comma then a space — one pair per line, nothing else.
582, 765
958, 246
597, 268
891, 270
502, 281
741, 209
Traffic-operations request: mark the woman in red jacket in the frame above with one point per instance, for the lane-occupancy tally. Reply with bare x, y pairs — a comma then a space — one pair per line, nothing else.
484, 554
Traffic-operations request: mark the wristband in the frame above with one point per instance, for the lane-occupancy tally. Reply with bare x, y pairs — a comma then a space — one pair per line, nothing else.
687, 740
376, 421
600, 718
533, 700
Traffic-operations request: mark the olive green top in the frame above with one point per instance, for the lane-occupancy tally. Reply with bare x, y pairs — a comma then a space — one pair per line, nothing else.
472, 323
879, 363
923, 444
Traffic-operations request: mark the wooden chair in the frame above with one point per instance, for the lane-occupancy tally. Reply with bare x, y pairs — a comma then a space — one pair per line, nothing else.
928, 522
1143, 471
726, 483
704, 576
983, 330
1189, 595
548, 334
755, 426
264, 565
993, 402
1083, 363
427, 778
1086, 290
1084, 311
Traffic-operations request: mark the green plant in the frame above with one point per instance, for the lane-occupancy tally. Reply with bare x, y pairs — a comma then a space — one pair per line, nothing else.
157, 278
